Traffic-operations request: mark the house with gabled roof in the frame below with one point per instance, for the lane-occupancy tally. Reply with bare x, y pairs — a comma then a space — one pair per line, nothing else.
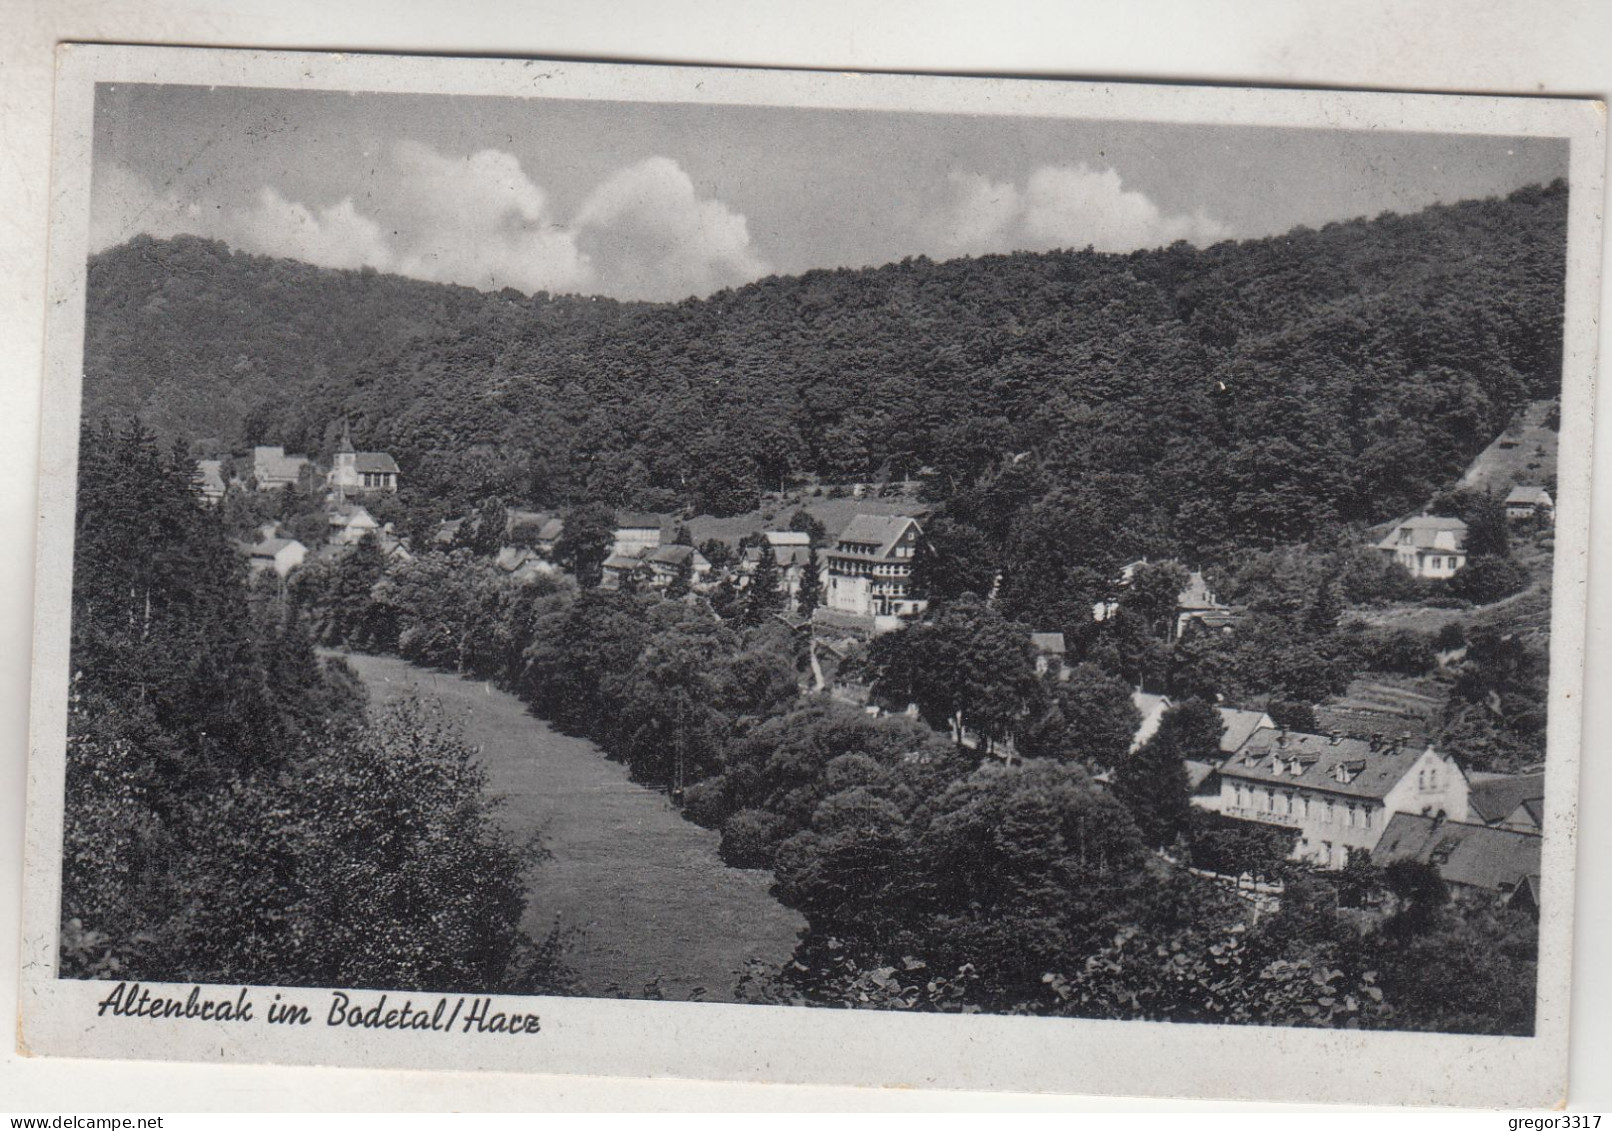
868, 569
1474, 860
1511, 801
282, 555
272, 469
637, 532
1525, 501
1432, 546
1337, 792
665, 562
209, 480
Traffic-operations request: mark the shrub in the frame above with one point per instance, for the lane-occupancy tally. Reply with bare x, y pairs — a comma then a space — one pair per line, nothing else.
750, 838
1486, 580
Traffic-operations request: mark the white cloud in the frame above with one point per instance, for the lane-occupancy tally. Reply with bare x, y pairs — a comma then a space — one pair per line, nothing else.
1060, 206
337, 236
481, 221
653, 236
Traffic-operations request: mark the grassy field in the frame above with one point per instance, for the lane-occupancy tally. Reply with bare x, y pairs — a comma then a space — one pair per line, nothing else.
1524, 453
650, 901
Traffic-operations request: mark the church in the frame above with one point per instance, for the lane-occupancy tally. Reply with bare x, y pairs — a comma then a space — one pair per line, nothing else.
360, 473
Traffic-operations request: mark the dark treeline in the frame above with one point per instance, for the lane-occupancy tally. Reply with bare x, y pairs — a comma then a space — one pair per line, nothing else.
928, 879
231, 815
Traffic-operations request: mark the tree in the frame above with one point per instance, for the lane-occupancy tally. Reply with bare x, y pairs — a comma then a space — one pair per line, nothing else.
1152, 781
681, 580
764, 596
1092, 719
964, 666
804, 522
810, 594
585, 542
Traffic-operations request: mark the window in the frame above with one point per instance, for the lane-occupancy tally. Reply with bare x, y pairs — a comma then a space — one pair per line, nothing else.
1366, 816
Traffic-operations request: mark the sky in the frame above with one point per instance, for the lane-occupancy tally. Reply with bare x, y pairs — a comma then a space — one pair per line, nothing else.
662, 201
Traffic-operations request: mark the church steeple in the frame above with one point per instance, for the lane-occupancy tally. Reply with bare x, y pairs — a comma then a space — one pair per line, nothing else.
346, 445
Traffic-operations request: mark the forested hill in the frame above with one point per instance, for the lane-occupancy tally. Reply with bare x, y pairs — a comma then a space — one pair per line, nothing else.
1175, 399
208, 344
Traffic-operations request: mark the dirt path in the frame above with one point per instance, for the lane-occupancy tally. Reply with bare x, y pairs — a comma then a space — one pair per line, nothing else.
644, 887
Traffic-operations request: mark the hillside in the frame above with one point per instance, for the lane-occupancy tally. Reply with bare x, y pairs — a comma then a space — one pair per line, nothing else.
1170, 402
1524, 453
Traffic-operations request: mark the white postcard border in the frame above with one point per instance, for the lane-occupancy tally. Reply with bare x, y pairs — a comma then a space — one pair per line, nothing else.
757, 1043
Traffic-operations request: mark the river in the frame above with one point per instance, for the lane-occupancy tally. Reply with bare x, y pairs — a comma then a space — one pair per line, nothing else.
655, 912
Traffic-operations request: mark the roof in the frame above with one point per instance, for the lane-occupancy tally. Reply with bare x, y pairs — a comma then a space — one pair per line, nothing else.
1197, 772
1151, 707
675, 554
1195, 594
271, 462
1375, 768
789, 538
1536, 496
511, 558
881, 530
622, 561
1530, 814
1428, 532
351, 514
1048, 642
210, 476
551, 531
1492, 798
374, 463
1238, 726
1478, 856
785, 556
273, 547
637, 520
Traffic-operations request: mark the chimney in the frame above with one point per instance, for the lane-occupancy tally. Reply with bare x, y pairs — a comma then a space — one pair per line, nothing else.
1334, 738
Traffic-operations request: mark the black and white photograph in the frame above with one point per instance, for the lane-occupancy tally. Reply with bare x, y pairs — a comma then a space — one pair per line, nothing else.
867, 553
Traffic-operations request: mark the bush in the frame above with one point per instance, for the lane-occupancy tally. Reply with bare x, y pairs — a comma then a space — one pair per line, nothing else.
1490, 579
1450, 637
1403, 651
750, 838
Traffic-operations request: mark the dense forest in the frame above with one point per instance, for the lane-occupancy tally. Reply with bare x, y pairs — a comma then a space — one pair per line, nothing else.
929, 880
1183, 399
231, 813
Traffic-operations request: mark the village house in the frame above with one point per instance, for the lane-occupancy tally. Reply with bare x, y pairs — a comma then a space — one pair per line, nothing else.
272, 469
792, 549
1432, 546
1337, 793
664, 563
1050, 650
349, 522
1195, 604
1508, 801
209, 480
1475, 861
282, 555
1152, 708
637, 533
1526, 502
548, 536
869, 568
360, 473
617, 568
523, 563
